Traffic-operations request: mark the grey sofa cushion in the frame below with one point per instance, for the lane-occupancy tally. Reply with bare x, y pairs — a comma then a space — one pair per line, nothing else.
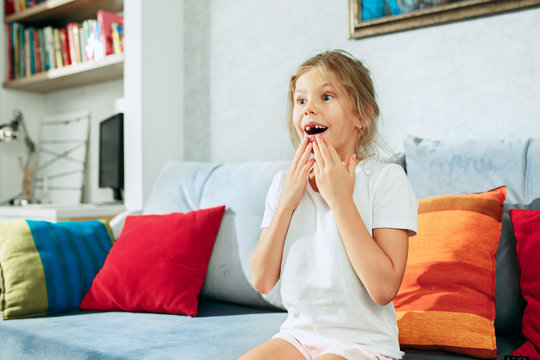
186, 186
533, 170
437, 167
440, 168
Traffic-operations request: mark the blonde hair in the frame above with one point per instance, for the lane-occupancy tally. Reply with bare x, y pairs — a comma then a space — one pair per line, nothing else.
349, 75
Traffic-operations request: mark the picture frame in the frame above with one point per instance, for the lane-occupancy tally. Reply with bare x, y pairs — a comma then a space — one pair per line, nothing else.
375, 17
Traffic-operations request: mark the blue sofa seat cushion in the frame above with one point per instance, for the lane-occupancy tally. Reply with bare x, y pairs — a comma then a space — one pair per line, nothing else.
221, 331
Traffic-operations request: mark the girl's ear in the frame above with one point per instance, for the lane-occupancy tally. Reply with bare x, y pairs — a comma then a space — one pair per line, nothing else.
358, 122
362, 121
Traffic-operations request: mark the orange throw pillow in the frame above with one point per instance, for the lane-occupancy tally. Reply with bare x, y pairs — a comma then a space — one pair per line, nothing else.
447, 299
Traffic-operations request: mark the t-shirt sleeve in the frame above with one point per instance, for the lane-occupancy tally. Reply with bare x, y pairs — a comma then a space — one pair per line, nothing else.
272, 198
395, 204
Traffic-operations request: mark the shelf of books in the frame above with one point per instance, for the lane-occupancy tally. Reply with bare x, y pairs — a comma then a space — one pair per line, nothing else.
59, 44
109, 68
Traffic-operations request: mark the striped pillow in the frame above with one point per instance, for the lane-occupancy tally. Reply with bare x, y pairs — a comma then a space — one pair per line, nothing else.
48, 267
447, 298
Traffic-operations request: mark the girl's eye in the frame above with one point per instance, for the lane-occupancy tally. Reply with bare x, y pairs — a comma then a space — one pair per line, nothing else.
301, 101
327, 97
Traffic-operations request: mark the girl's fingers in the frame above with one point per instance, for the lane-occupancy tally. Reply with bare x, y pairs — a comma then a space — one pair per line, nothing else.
333, 153
317, 152
299, 152
317, 170
306, 168
305, 157
323, 148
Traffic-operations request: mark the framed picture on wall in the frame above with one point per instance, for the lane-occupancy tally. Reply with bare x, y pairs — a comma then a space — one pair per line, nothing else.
374, 17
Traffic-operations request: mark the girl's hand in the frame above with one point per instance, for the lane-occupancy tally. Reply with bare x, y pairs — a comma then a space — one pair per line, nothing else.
296, 178
334, 178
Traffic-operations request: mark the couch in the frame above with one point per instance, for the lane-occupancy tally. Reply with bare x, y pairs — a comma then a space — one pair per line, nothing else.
232, 316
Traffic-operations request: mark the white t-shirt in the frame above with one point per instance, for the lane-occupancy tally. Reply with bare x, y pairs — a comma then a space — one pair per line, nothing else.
319, 287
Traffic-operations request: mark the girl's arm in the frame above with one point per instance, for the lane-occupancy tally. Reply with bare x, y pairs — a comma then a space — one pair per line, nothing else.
379, 261
265, 264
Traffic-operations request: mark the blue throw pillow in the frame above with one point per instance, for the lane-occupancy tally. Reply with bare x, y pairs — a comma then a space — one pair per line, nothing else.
47, 267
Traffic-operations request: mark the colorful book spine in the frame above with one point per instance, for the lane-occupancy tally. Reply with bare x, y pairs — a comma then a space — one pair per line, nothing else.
117, 36
30, 58
22, 56
66, 56
27, 53
82, 43
42, 55
11, 76
20, 5
58, 48
73, 40
49, 48
15, 40
9, 7
36, 51
99, 50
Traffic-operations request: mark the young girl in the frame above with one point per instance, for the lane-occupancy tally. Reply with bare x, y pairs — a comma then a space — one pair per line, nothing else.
336, 226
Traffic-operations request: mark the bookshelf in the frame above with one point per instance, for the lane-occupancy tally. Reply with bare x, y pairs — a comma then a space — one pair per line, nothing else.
59, 13
109, 68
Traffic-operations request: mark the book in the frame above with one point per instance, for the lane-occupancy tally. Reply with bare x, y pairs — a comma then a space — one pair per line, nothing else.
42, 55
10, 56
27, 53
118, 38
58, 48
36, 51
9, 7
82, 43
49, 48
73, 41
105, 20
99, 48
20, 5
15, 42
89, 41
66, 56
22, 56
31, 59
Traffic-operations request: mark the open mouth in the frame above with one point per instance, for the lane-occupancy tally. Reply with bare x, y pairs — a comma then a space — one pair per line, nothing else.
315, 129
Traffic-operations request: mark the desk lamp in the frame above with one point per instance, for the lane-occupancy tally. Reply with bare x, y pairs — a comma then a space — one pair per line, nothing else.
9, 132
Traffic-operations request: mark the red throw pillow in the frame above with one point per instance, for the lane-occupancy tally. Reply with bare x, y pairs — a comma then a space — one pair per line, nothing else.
527, 230
158, 264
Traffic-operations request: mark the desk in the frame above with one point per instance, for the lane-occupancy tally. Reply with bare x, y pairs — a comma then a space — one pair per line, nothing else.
61, 212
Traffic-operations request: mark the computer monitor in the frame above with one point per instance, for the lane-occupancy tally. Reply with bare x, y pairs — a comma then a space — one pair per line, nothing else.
111, 155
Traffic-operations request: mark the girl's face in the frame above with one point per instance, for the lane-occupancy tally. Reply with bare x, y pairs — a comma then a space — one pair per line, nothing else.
318, 110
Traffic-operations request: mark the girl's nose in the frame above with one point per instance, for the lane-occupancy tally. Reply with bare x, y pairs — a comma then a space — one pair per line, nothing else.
310, 109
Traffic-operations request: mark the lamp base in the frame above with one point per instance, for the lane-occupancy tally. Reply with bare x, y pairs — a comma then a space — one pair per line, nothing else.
21, 201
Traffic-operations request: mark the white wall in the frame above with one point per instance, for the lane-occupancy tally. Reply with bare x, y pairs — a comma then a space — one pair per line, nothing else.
217, 89
154, 92
31, 105
469, 79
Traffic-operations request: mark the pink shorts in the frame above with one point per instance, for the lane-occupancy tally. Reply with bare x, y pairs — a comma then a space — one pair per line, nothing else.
315, 346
